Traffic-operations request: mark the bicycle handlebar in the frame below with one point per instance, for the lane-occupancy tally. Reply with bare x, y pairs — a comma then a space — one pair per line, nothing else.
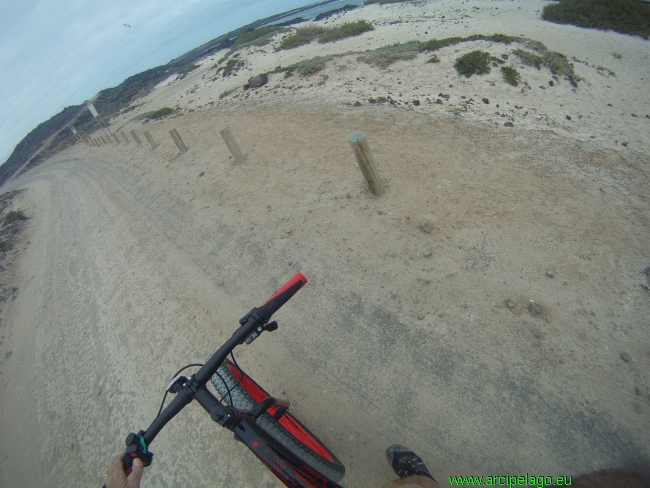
258, 317
282, 296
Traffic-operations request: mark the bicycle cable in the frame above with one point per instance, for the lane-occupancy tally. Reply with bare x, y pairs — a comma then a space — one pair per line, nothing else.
175, 375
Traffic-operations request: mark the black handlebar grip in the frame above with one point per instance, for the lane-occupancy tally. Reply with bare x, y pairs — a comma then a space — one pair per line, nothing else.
282, 296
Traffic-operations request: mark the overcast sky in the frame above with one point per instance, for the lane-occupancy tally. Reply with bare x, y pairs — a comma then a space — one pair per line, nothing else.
57, 53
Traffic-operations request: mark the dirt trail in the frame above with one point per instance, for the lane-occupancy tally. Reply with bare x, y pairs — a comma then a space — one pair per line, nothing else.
140, 264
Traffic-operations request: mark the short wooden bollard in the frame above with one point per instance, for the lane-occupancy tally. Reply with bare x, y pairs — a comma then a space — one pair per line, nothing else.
126, 139
179, 142
153, 143
230, 141
117, 139
135, 137
366, 162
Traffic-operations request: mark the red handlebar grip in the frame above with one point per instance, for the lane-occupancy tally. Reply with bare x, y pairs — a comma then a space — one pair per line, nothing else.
297, 278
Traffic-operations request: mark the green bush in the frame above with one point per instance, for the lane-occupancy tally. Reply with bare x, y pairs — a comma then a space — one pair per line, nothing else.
303, 35
349, 29
625, 16
510, 75
473, 63
434, 59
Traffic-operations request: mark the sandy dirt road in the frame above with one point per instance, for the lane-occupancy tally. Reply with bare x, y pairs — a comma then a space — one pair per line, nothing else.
138, 264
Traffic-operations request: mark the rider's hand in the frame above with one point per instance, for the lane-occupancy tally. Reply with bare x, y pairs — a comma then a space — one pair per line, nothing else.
117, 477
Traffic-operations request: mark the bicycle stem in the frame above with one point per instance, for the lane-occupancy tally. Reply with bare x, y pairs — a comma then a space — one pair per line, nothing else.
199, 380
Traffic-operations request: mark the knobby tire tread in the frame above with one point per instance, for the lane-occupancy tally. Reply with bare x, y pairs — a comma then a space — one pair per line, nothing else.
242, 400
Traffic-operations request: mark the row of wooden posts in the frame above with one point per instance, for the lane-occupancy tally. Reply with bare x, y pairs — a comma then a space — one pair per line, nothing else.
358, 141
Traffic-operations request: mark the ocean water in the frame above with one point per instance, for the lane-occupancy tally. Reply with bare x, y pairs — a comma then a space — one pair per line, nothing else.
313, 12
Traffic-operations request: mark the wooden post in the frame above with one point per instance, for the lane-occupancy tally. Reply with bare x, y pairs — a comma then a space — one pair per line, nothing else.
230, 141
366, 162
117, 139
153, 143
135, 137
126, 139
179, 142
103, 140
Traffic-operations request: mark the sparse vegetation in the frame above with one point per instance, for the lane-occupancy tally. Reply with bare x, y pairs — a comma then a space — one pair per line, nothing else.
14, 216
617, 55
558, 63
232, 65
529, 59
434, 59
258, 37
473, 63
609, 71
302, 35
161, 113
228, 92
349, 29
387, 55
625, 16
307, 67
435, 44
382, 2
186, 70
510, 75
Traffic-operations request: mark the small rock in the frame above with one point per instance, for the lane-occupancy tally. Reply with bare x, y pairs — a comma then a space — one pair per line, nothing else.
633, 115
485, 101
8, 354
626, 357
638, 392
428, 253
289, 262
550, 83
550, 273
568, 117
288, 231
357, 103
504, 56
426, 226
438, 101
511, 304
72, 446
535, 309
416, 102
509, 124
624, 144
380, 212
420, 317
201, 174
647, 116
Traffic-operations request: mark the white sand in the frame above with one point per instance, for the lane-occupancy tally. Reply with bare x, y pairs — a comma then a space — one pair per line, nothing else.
139, 264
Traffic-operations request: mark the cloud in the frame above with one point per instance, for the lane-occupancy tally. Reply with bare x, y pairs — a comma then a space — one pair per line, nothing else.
57, 53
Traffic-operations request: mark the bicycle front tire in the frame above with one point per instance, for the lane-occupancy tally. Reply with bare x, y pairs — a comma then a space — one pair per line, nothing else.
289, 431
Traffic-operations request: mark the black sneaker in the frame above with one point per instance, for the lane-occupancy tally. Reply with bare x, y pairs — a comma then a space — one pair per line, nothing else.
405, 462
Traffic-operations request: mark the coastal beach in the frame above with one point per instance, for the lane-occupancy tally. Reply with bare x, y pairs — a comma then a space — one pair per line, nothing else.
489, 310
